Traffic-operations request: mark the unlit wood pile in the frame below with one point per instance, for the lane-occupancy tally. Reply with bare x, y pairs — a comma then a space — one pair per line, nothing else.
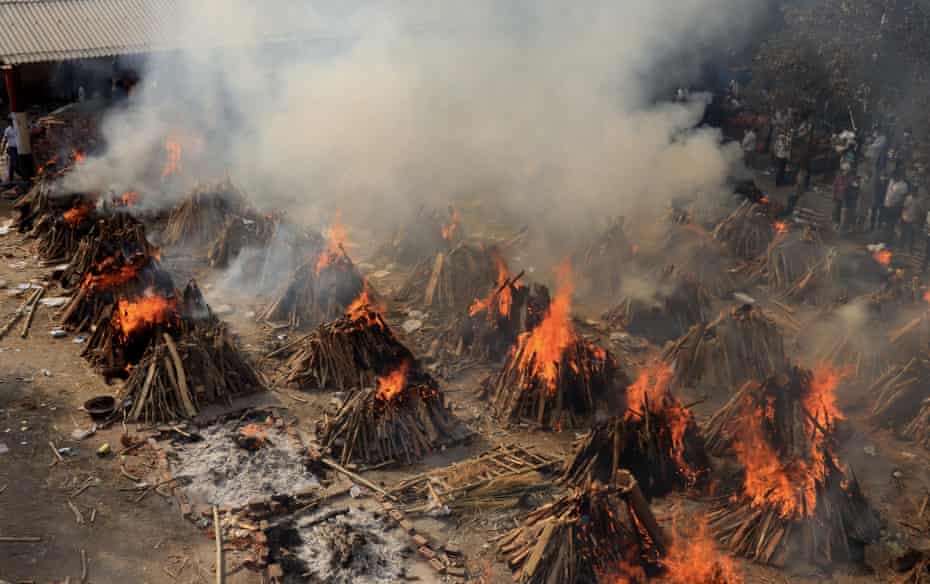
177, 377
316, 294
741, 344
450, 281
40, 200
694, 250
900, 392
346, 353
797, 501
238, 233
676, 301
374, 427
591, 535
584, 382
658, 442
111, 234
801, 268
203, 214
747, 231
602, 262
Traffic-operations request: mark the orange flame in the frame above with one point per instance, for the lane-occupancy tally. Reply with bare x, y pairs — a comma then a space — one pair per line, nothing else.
75, 215
652, 388
780, 227
337, 242
542, 347
882, 256
393, 383
258, 432
448, 230
108, 278
504, 294
129, 198
78, 156
173, 150
364, 304
695, 560
927, 296
145, 312
820, 401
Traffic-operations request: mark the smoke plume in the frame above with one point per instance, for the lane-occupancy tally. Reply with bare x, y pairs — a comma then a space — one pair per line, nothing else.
544, 109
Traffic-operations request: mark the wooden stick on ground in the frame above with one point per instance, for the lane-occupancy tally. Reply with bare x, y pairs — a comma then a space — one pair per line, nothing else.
19, 312
220, 567
356, 478
19, 539
83, 566
32, 312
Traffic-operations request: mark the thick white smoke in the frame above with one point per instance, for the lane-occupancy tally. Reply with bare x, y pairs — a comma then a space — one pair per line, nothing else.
542, 106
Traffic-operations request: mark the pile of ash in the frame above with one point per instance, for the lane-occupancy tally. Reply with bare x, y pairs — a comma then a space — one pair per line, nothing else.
240, 460
350, 546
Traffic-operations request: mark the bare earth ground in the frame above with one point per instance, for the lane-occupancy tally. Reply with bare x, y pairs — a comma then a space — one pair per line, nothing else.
147, 540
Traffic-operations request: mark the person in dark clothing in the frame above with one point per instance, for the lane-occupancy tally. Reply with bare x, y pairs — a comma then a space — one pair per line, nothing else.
842, 184
11, 138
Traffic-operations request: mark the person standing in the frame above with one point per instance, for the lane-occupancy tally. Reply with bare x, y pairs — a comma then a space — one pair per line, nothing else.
748, 145
911, 213
841, 185
877, 153
782, 154
894, 203
11, 137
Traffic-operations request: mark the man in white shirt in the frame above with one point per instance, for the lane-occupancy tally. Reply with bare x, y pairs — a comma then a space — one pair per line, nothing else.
11, 137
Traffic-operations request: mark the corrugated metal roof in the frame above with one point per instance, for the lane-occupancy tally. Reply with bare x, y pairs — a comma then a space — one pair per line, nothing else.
33, 31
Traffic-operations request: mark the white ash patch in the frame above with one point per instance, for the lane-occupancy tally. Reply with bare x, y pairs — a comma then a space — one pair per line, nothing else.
359, 547
217, 471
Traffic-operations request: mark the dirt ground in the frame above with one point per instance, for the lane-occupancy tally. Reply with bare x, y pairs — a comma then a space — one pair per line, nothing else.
141, 537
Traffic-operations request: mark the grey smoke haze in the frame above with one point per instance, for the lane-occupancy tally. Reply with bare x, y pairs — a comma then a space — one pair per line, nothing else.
540, 106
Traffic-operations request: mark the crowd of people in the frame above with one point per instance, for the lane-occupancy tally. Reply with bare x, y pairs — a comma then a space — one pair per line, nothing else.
878, 189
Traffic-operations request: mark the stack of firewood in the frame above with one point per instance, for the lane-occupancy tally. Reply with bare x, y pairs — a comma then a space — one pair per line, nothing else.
593, 534
203, 214
676, 302
317, 292
239, 233
902, 399
747, 231
421, 236
657, 440
585, 380
375, 426
797, 501
59, 235
176, 377
695, 251
492, 325
450, 281
801, 268
741, 344
40, 200
349, 352
112, 233
601, 262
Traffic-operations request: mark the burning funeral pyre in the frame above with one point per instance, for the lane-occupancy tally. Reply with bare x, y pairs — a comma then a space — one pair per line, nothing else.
429, 232
114, 234
320, 290
202, 216
592, 535
602, 262
494, 322
450, 281
741, 344
264, 235
801, 268
657, 440
796, 500
748, 231
402, 419
349, 352
552, 377
674, 302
